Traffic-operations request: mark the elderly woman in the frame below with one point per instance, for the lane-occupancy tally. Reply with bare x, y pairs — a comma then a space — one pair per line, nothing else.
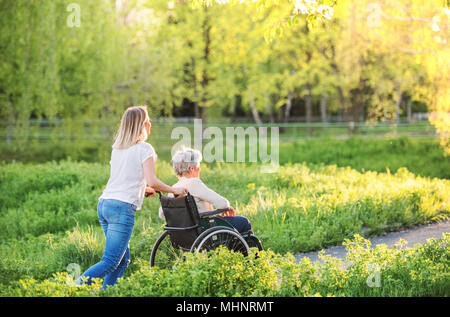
186, 163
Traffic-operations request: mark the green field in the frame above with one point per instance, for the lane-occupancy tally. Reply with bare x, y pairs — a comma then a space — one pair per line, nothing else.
48, 216
421, 156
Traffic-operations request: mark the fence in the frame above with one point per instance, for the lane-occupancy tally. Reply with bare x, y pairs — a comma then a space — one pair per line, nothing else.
91, 140
161, 130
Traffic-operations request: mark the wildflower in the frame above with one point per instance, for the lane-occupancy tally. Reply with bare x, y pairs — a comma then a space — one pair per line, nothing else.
325, 11
300, 7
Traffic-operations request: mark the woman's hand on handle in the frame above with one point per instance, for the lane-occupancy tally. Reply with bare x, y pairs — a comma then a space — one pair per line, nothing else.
149, 192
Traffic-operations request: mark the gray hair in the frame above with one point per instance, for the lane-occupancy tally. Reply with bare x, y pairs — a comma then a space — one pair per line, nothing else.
185, 158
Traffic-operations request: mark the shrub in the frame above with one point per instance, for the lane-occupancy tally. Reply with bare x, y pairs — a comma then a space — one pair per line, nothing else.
419, 271
300, 208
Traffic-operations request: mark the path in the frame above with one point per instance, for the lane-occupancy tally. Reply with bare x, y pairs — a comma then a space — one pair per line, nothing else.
413, 236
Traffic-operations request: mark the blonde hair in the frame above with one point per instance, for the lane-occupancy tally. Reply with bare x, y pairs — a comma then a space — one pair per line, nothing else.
131, 128
185, 158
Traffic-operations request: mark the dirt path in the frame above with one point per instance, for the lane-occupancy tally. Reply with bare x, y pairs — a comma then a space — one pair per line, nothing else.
413, 236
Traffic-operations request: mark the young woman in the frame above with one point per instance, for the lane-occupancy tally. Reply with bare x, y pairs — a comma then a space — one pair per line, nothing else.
132, 167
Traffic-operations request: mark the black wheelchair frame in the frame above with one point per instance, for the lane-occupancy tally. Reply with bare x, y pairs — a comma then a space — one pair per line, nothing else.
191, 231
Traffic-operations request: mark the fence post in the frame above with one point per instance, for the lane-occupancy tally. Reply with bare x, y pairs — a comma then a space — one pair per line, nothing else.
351, 127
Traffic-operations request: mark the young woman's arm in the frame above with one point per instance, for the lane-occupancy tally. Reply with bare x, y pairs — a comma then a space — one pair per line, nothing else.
152, 181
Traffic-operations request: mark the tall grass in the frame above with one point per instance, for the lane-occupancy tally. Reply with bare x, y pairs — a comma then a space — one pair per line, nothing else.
422, 156
48, 211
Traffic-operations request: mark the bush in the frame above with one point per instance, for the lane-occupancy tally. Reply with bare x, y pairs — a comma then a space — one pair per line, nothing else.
300, 208
419, 271
49, 220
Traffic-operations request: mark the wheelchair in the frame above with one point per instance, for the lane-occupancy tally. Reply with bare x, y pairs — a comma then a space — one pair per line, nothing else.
187, 230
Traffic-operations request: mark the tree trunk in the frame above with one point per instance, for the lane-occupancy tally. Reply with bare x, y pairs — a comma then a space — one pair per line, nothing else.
206, 27
203, 114
192, 78
343, 105
323, 110
197, 110
194, 81
253, 109
356, 115
287, 109
308, 108
398, 102
251, 101
269, 108
408, 110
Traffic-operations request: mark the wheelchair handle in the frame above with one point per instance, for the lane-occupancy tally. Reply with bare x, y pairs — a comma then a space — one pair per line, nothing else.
159, 193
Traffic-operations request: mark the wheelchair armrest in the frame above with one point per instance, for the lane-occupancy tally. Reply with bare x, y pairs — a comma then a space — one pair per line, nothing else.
213, 212
180, 228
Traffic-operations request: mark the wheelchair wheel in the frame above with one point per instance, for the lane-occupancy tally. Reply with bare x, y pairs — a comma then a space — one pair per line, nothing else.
253, 242
163, 253
217, 236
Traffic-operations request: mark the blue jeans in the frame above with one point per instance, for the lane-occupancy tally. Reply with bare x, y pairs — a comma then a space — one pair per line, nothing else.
240, 223
117, 220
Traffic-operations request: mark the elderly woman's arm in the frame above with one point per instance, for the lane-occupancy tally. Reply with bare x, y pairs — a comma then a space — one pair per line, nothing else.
200, 190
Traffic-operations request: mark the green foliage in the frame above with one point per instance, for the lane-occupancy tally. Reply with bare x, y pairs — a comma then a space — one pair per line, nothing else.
48, 198
49, 220
420, 156
39, 257
169, 54
419, 271
53, 69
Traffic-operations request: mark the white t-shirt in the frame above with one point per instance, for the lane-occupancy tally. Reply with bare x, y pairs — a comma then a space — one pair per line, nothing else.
126, 181
204, 197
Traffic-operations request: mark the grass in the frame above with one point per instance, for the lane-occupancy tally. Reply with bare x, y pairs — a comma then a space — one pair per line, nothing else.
324, 192
48, 211
422, 156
